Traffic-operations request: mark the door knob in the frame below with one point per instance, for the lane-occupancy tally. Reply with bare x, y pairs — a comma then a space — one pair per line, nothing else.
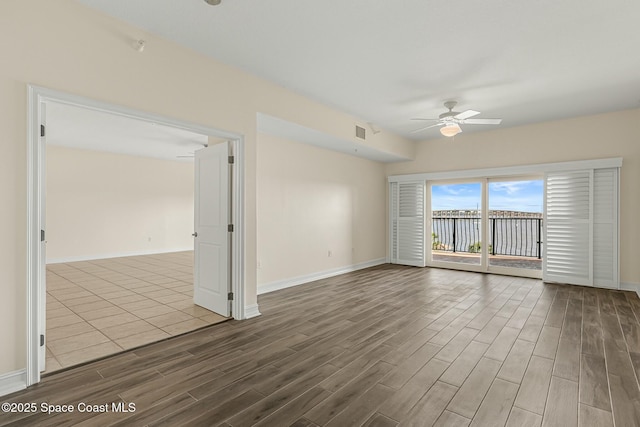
195, 234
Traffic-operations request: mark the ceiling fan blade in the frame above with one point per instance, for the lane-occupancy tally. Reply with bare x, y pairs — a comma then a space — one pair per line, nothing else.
482, 121
425, 128
466, 114
420, 118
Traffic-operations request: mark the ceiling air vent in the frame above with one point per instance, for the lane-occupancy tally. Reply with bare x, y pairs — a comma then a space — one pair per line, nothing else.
360, 132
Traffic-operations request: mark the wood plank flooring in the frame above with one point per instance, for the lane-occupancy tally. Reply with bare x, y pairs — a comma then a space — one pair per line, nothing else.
385, 346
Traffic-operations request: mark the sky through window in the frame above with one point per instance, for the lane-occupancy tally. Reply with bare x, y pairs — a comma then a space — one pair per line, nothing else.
524, 196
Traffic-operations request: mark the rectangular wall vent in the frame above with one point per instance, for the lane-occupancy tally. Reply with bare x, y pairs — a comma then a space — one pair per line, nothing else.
360, 132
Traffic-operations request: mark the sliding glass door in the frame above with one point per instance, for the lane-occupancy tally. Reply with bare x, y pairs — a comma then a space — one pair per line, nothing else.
456, 224
505, 213
515, 225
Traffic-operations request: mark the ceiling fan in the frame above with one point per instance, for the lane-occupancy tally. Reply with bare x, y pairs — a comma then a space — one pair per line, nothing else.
451, 120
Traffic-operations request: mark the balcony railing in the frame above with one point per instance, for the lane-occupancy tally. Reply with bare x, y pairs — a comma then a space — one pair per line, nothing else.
515, 236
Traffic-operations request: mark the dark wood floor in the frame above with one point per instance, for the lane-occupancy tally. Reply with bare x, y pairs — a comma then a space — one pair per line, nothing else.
384, 346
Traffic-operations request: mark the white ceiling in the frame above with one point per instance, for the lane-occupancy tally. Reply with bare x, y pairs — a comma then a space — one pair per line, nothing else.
389, 61
88, 129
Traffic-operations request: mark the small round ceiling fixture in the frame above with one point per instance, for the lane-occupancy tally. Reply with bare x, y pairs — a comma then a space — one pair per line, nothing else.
139, 45
213, 2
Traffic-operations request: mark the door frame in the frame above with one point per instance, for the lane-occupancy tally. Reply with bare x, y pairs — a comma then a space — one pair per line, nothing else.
36, 161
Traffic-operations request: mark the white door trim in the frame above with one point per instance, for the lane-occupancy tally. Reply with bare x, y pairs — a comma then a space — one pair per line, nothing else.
510, 171
35, 170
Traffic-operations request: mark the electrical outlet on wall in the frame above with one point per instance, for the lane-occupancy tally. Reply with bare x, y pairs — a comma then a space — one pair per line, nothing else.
329, 254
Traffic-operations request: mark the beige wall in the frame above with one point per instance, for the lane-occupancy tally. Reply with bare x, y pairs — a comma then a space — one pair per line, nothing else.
583, 138
312, 201
103, 204
65, 46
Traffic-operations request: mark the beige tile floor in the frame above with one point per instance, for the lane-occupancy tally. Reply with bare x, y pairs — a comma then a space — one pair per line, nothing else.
101, 307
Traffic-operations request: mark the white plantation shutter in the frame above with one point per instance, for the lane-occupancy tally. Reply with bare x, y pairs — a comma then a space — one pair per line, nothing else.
407, 205
567, 226
605, 228
581, 228
393, 238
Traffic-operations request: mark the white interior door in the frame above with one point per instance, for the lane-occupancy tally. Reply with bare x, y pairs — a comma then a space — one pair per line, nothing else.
211, 243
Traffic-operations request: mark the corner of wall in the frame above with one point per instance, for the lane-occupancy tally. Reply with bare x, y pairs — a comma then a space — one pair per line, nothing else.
13, 381
251, 311
628, 286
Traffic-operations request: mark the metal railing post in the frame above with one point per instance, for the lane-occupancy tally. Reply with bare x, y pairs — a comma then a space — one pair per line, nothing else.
454, 235
539, 228
493, 236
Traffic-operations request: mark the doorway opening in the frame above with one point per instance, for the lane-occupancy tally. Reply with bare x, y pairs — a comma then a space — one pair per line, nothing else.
229, 212
456, 223
487, 225
515, 226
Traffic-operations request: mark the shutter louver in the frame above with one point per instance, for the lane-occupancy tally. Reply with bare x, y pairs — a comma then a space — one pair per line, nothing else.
582, 228
393, 195
568, 224
407, 223
605, 233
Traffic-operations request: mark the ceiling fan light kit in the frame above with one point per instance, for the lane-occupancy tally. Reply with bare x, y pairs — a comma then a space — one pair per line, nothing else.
450, 129
451, 120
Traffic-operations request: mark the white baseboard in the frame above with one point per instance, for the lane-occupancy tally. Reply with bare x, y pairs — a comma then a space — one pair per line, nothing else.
300, 280
115, 255
627, 286
251, 311
13, 381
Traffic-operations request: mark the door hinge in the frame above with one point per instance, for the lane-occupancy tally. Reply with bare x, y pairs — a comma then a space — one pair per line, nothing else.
41, 130
230, 296
42, 235
230, 228
231, 159
41, 340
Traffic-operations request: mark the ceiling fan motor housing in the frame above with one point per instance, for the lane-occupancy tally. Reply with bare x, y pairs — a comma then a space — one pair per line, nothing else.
453, 119
448, 115
450, 105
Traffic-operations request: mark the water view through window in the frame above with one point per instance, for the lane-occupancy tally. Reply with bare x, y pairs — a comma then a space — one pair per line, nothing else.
456, 223
514, 223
